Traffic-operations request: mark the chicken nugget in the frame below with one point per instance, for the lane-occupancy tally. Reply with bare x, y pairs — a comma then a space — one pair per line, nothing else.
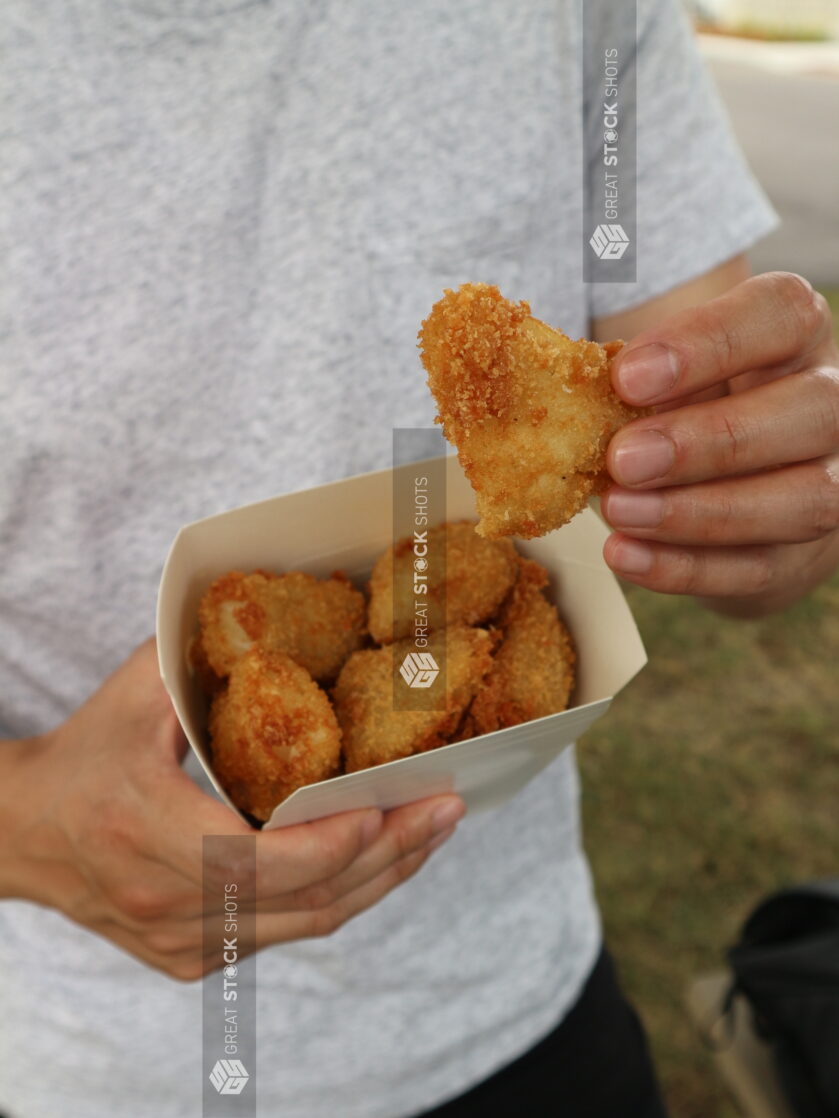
530, 411
317, 622
533, 671
373, 731
467, 587
273, 730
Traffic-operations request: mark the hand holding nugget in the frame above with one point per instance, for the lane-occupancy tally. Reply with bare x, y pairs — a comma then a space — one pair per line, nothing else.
530, 411
731, 490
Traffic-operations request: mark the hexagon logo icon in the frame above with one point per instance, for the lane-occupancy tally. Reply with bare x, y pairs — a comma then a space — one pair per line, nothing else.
609, 242
419, 669
229, 1077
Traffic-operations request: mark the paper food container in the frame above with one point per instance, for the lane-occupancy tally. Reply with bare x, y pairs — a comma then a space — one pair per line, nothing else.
346, 526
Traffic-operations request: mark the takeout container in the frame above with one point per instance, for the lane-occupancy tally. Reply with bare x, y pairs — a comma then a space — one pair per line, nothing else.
346, 525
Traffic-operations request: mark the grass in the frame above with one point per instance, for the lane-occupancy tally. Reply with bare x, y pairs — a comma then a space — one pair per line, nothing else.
766, 33
832, 297
713, 781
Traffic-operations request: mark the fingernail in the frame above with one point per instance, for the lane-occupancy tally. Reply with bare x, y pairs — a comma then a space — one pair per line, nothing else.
447, 815
371, 826
647, 373
631, 557
643, 457
440, 838
634, 510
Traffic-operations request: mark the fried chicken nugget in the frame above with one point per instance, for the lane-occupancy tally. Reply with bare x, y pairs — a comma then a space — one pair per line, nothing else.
373, 732
468, 588
530, 411
533, 671
317, 622
273, 730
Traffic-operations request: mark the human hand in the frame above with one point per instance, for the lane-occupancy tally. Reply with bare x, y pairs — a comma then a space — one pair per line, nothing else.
107, 828
730, 491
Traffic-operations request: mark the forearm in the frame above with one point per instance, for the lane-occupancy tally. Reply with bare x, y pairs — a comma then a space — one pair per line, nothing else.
810, 564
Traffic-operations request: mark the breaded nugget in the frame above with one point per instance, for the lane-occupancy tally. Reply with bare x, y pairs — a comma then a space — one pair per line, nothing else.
468, 587
530, 411
373, 731
273, 730
317, 622
533, 671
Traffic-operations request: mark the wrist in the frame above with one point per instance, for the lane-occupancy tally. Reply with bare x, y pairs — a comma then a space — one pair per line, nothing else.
18, 805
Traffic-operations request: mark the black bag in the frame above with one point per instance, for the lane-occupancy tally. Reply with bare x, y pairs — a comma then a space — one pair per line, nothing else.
787, 965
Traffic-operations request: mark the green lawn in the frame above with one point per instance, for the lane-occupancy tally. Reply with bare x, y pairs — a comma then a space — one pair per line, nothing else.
833, 299
713, 780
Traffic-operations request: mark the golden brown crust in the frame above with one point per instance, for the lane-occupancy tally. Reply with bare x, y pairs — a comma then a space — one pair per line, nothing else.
469, 349
474, 580
317, 622
373, 731
533, 671
530, 411
272, 731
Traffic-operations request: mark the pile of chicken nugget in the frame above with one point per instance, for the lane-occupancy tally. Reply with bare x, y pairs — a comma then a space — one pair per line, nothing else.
300, 671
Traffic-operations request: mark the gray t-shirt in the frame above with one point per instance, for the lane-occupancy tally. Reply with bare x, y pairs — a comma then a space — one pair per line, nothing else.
222, 223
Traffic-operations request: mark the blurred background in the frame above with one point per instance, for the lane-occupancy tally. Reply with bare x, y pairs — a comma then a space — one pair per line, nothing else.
728, 745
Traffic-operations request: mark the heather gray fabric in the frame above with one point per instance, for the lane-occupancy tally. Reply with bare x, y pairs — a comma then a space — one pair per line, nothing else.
222, 223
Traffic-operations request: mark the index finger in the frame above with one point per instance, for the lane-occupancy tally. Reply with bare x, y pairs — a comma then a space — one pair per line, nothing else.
766, 320
292, 859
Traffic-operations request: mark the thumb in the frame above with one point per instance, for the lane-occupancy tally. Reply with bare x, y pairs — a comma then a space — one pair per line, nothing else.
167, 746
171, 741
139, 693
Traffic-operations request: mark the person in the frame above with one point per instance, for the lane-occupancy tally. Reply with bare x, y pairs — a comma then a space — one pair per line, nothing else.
224, 222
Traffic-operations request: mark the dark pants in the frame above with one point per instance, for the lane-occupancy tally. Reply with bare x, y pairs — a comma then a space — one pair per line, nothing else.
595, 1064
